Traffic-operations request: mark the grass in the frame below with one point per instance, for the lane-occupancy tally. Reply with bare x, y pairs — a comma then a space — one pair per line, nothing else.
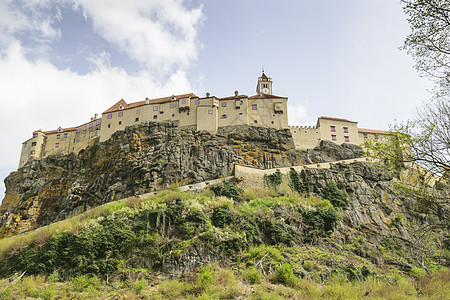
226, 284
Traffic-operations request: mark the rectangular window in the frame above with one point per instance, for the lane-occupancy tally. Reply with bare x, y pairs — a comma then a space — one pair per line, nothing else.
35, 135
224, 104
155, 108
365, 135
346, 138
197, 102
120, 122
254, 107
91, 125
56, 145
210, 112
109, 116
33, 144
333, 128
84, 128
376, 136
136, 120
333, 137
97, 123
58, 136
183, 101
223, 116
172, 105
155, 117
78, 130
25, 144
109, 125
138, 111
345, 129
65, 135
120, 113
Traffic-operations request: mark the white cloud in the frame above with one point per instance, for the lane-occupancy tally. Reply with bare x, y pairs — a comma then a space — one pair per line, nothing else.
160, 34
298, 113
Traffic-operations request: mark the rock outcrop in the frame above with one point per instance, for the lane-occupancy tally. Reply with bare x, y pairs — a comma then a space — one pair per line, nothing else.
143, 158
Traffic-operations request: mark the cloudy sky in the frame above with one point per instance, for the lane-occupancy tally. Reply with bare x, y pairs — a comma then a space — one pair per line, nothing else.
61, 61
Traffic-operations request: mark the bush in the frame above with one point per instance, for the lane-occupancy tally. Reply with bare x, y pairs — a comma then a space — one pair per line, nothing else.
139, 285
273, 180
228, 189
48, 293
297, 182
321, 221
337, 197
285, 275
221, 216
252, 276
417, 272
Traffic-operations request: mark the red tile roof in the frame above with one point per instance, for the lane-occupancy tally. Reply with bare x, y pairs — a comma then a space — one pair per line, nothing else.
234, 97
266, 96
116, 106
364, 130
63, 130
336, 119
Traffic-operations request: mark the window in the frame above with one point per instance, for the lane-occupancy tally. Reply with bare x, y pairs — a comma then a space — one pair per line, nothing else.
173, 115
333, 128
25, 144
57, 145
256, 121
254, 107
120, 122
136, 120
183, 101
365, 135
346, 138
32, 152
155, 117
240, 113
109, 116
187, 113
272, 122
109, 125
333, 137
376, 136
78, 130
138, 111
121, 106
223, 116
120, 113
35, 135
197, 102
97, 123
210, 112
58, 136
155, 108
172, 105
91, 125
84, 128
224, 104
161, 112
345, 129
33, 144
65, 135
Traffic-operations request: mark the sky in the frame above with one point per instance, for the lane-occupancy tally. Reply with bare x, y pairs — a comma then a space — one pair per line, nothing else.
62, 61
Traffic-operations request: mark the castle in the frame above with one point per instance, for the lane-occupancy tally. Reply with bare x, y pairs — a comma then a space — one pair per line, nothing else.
200, 113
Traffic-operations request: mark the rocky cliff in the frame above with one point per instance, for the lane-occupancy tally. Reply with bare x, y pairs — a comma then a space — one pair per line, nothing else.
147, 157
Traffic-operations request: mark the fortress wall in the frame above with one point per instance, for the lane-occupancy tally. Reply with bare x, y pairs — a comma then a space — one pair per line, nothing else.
252, 176
231, 114
32, 148
86, 135
59, 142
264, 115
305, 137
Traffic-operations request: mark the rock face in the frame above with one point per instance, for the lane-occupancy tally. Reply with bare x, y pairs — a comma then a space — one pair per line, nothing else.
147, 157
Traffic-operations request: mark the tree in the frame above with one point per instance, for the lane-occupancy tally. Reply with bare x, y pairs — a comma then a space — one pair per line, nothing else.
429, 42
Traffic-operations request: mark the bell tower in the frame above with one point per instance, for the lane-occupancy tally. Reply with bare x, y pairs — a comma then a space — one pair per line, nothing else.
264, 85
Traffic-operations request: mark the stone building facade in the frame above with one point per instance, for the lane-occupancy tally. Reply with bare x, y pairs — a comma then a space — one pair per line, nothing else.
190, 111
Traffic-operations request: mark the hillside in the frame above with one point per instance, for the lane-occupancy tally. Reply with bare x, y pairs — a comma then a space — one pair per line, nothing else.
351, 229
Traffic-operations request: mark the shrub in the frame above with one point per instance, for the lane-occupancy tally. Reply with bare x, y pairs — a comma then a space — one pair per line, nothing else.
228, 189
297, 182
48, 293
273, 180
205, 277
321, 221
285, 275
252, 276
337, 197
139, 285
417, 272
221, 216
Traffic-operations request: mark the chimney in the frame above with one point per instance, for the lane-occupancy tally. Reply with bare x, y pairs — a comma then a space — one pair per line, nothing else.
236, 93
207, 94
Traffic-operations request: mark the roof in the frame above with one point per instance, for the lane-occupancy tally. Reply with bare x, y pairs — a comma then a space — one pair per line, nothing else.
62, 130
336, 119
125, 105
234, 97
364, 130
264, 77
266, 96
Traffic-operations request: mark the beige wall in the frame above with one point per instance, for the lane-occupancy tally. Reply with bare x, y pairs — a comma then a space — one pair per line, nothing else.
233, 112
326, 133
209, 118
59, 142
264, 114
305, 137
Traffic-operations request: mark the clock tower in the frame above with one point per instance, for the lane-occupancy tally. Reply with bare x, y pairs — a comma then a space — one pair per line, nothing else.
264, 85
